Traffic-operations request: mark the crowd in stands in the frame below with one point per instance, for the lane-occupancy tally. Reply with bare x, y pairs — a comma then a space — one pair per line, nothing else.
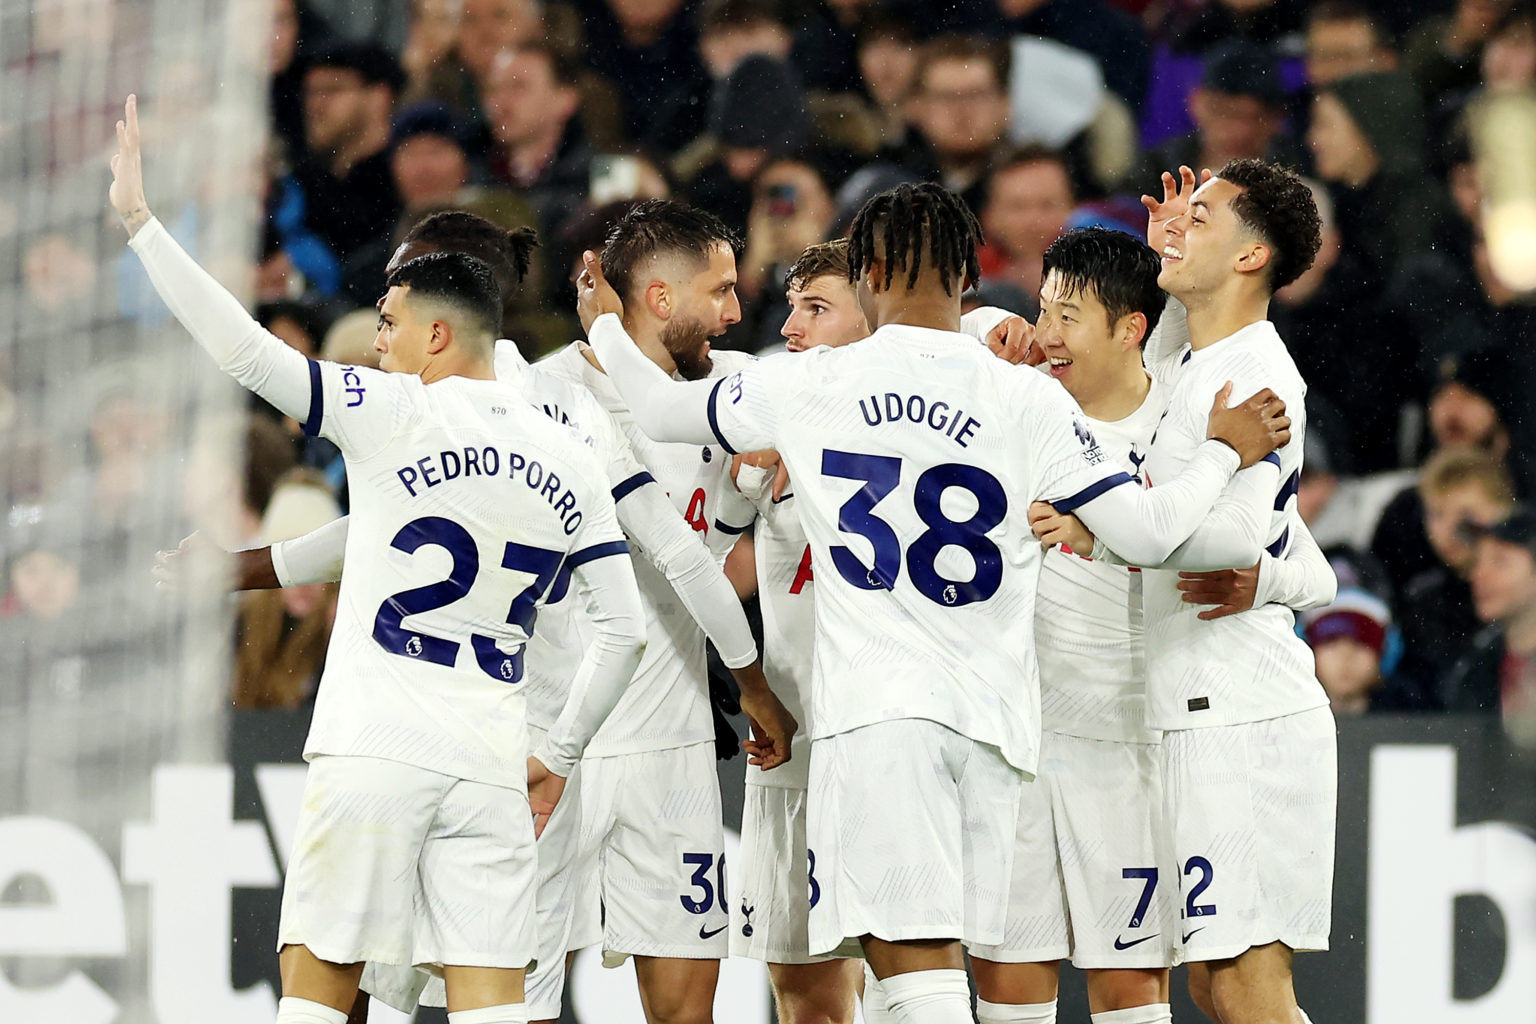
783, 117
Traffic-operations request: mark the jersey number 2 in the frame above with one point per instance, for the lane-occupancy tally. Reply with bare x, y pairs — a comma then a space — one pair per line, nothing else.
434, 531
880, 475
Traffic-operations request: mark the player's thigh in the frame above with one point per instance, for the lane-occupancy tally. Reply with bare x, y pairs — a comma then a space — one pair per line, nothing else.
352, 883
479, 876
1251, 810
677, 990
1037, 928
473, 988
1115, 854
1256, 985
663, 865
1122, 988
819, 993
558, 901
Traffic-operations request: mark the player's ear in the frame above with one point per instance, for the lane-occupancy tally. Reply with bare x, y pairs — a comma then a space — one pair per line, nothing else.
874, 275
1253, 257
442, 337
658, 299
1132, 329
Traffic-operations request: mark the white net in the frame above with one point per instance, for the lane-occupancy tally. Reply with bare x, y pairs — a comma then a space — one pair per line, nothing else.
118, 441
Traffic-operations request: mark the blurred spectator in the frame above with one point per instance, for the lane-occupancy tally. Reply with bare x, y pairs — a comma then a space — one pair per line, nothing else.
1029, 198
540, 142
1443, 53
302, 327
887, 62
1345, 38
1349, 348
350, 339
281, 635
297, 33
1458, 487
489, 27
1110, 35
827, 36
434, 72
1348, 638
1469, 408
959, 113
344, 178
224, 501
791, 210
1498, 673
1238, 111
1367, 137
44, 584
732, 30
427, 157
756, 115
649, 49
1339, 508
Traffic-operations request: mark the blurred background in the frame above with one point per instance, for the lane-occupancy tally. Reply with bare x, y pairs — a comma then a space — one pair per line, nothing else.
149, 739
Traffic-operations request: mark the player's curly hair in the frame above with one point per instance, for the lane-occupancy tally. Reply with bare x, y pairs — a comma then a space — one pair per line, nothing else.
661, 226
509, 253
899, 225
1278, 207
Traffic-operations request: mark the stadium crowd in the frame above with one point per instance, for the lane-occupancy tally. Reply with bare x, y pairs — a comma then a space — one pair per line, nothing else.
1045, 115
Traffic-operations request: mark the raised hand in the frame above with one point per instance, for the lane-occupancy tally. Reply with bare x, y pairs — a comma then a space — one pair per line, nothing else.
1253, 428
594, 295
1175, 203
1013, 341
127, 191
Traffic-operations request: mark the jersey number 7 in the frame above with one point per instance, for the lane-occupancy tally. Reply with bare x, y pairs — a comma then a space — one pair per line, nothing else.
435, 531
880, 475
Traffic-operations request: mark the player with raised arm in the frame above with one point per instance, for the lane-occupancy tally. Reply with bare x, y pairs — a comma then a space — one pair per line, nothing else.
1249, 753
468, 506
654, 829
1091, 869
554, 652
914, 455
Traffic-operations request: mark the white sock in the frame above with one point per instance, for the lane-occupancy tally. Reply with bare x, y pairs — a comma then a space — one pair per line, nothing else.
928, 997
1016, 1013
873, 1004
293, 1010
1152, 1013
506, 1013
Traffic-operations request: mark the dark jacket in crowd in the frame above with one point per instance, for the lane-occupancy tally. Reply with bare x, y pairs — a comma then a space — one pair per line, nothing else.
348, 213
1400, 544
662, 84
562, 185
1473, 681
1437, 621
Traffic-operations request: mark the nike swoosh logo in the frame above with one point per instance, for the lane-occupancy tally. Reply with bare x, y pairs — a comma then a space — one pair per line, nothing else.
1189, 935
703, 934
1135, 942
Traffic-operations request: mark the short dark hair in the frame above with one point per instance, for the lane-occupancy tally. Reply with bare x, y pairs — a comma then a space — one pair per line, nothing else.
564, 68
509, 253
1325, 11
659, 226
1277, 206
900, 224
1119, 270
960, 47
1031, 153
818, 260
374, 64
457, 279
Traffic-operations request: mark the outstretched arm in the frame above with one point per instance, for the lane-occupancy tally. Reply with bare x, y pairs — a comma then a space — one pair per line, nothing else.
315, 557
240, 345
1300, 579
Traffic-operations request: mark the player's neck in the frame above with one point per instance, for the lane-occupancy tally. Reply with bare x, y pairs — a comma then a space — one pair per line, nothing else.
458, 365
1221, 314
1120, 396
938, 312
647, 338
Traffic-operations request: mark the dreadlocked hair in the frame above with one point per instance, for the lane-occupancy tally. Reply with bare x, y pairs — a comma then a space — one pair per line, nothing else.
899, 225
509, 253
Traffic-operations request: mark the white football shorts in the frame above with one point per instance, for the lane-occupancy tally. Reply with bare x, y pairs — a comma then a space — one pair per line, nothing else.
654, 849
774, 879
1092, 877
1252, 809
401, 865
554, 914
912, 826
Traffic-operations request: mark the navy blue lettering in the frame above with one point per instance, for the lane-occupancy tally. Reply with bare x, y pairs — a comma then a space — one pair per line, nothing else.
892, 406
551, 486
916, 415
943, 418
451, 459
471, 462
515, 463
534, 465
572, 523
427, 469
565, 504
874, 408
966, 431
492, 459
407, 477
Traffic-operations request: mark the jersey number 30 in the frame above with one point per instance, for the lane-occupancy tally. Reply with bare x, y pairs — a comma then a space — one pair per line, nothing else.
880, 474
435, 531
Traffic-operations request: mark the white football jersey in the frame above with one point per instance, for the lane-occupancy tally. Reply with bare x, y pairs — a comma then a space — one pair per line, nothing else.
667, 702
1250, 666
1088, 623
915, 455
468, 506
555, 650
786, 598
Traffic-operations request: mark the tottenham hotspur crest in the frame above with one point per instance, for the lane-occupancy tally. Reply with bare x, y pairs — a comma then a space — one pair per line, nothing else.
1091, 450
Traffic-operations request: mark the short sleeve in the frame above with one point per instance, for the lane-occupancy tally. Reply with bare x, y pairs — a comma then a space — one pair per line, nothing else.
743, 408
358, 408
1070, 467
